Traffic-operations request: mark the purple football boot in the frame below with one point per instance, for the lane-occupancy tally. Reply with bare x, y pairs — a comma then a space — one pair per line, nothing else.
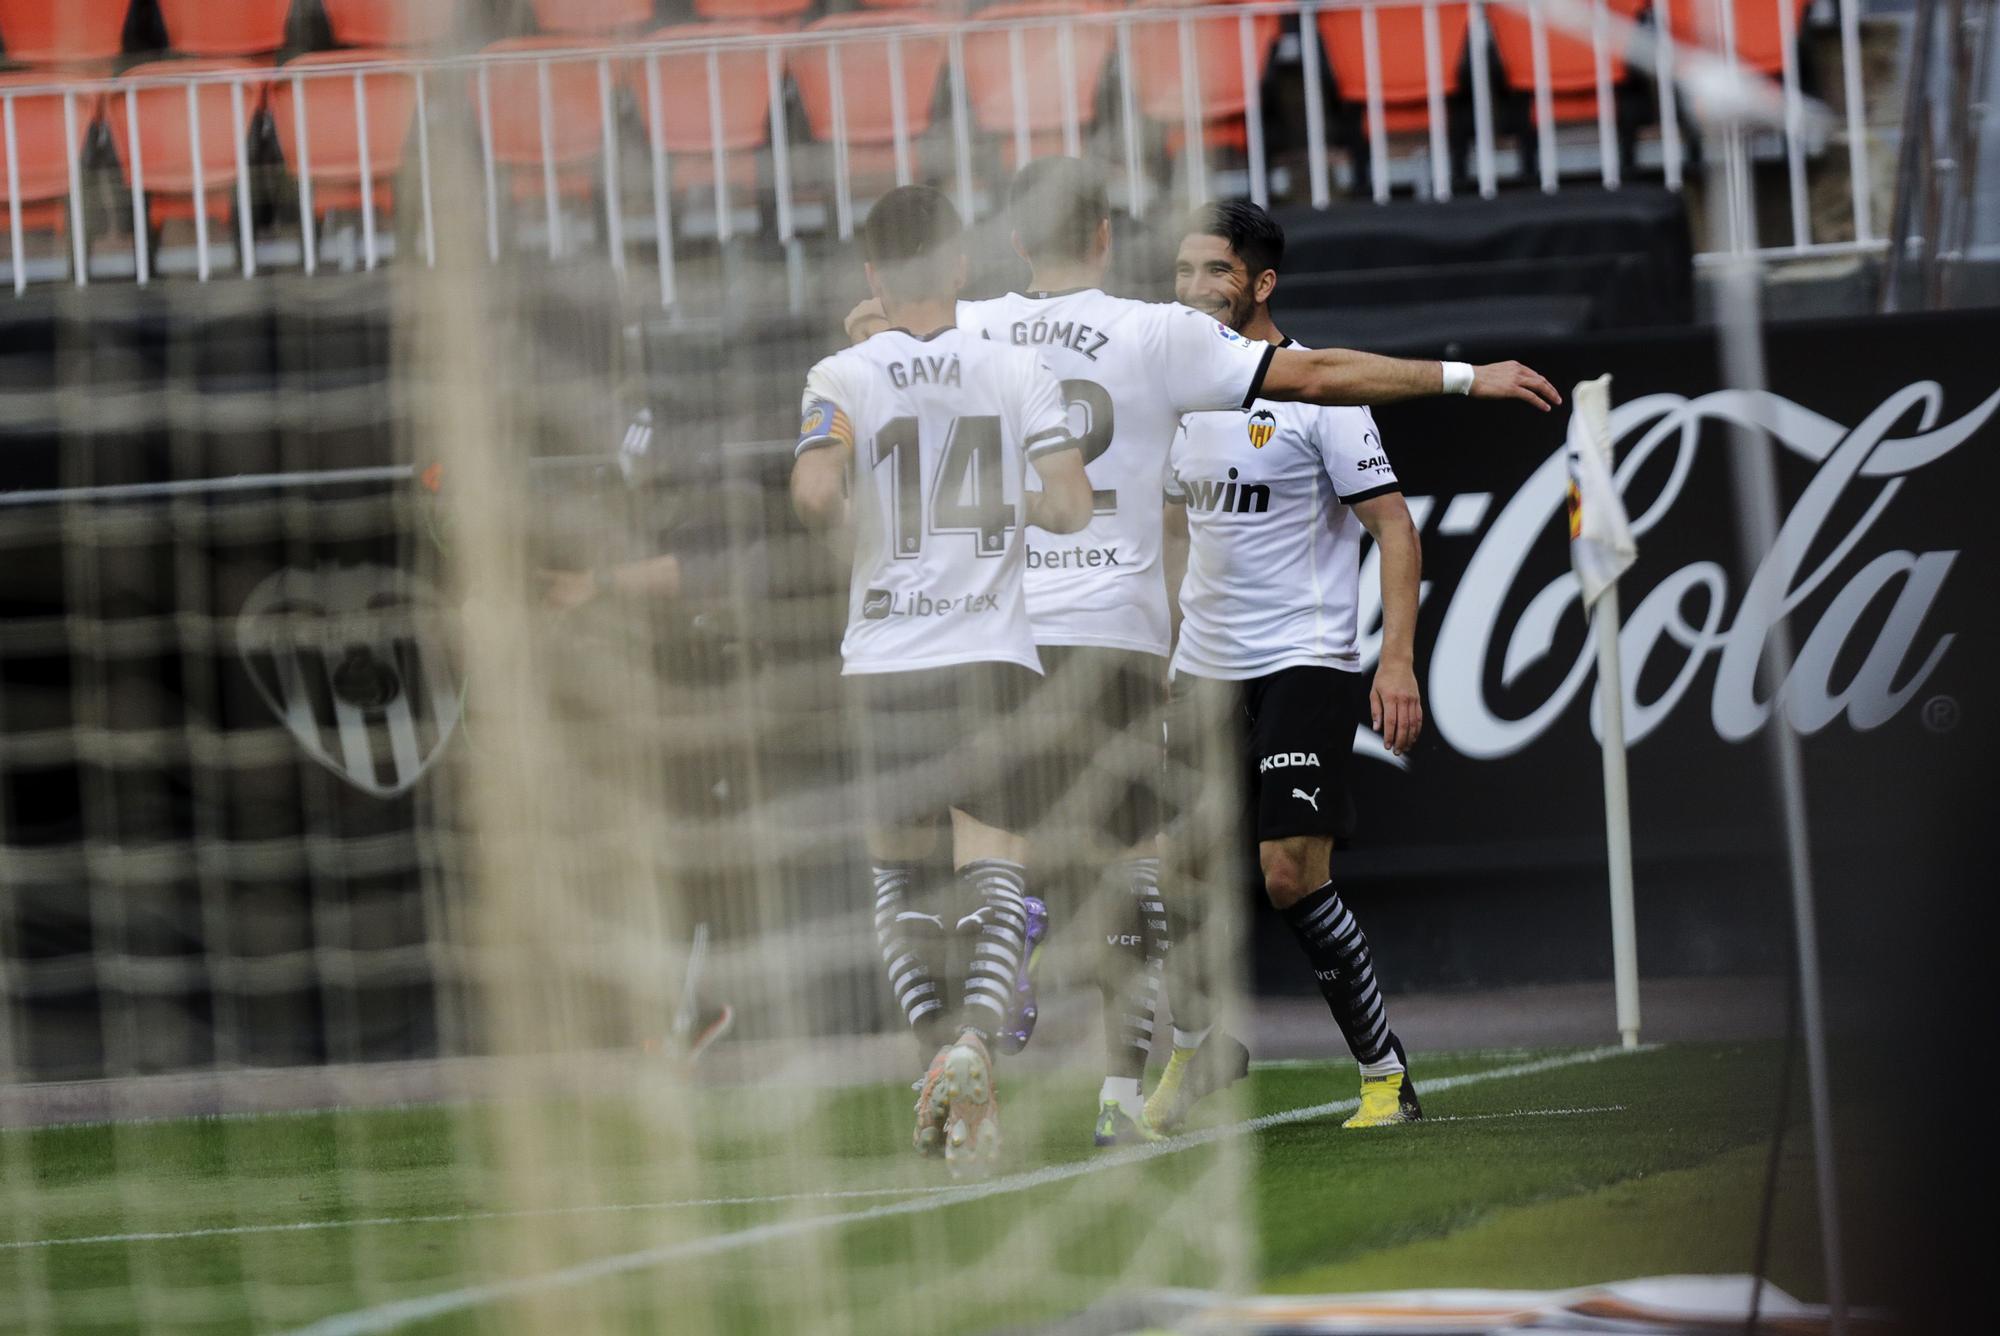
1019, 1026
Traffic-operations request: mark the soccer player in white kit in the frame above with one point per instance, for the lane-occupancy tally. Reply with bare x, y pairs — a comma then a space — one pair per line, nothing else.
1276, 498
1130, 369
915, 449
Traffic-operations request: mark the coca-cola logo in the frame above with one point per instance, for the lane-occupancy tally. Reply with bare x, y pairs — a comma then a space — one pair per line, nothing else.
1691, 616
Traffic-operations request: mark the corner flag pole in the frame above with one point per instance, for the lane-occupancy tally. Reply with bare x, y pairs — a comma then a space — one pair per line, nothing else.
1618, 820
1601, 549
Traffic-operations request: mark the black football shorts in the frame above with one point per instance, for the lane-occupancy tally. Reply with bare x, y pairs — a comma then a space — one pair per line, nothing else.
1292, 732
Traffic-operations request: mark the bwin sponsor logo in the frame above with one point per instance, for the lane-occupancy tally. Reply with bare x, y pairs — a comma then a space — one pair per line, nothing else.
1230, 497
1285, 760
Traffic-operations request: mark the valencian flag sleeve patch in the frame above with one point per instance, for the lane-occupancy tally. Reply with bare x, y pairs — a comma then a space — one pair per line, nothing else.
823, 424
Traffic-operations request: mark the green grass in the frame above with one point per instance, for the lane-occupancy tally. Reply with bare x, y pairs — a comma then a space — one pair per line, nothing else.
1663, 1176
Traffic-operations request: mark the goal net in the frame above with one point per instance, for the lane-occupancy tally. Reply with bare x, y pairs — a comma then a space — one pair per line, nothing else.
433, 837
433, 885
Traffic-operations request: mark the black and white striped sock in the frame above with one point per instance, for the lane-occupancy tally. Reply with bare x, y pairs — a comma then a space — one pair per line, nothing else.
910, 942
1340, 959
1134, 960
998, 887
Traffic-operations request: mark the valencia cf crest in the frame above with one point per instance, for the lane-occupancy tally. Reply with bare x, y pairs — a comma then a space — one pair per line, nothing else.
1262, 426
354, 661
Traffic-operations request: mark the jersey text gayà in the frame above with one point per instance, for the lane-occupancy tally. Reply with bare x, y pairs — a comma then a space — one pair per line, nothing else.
942, 428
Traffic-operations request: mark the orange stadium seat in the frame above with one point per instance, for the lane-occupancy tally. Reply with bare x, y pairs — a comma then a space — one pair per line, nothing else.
166, 154
989, 71
592, 16
1401, 68
864, 80
225, 27
783, 12
743, 91
333, 144
45, 161
575, 125
390, 22
44, 32
1760, 40
1221, 96
1572, 64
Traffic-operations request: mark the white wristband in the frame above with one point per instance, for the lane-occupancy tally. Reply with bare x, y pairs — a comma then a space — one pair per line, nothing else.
1457, 377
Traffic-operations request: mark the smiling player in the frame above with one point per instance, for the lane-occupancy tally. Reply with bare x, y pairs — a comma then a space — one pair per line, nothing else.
1274, 498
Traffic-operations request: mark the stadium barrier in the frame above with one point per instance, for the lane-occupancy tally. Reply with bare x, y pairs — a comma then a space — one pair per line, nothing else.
317, 843
566, 128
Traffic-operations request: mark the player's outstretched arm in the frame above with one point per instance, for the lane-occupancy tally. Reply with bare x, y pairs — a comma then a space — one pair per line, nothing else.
1395, 707
1342, 376
1063, 505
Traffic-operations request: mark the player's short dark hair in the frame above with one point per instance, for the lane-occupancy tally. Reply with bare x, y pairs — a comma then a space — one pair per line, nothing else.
912, 238
1056, 206
1252, 233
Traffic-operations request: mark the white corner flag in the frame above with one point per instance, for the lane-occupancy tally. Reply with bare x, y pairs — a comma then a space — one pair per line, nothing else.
1600, 536
1601, 549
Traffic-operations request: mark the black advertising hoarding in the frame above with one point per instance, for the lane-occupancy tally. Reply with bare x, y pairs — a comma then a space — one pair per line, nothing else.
1886, 433
1481, 862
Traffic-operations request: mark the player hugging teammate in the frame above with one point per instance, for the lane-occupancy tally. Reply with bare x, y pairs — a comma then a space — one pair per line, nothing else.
1095, 613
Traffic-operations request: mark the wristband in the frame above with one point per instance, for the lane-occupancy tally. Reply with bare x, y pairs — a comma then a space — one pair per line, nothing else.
1457, 377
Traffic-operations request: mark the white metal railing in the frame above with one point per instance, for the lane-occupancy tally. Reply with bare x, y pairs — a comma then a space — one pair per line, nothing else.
629, 81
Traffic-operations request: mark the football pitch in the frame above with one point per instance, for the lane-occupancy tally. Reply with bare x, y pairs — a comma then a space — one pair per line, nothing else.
1535, 1169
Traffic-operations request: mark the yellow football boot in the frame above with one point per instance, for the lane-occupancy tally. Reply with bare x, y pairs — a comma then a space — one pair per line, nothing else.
1386, 1100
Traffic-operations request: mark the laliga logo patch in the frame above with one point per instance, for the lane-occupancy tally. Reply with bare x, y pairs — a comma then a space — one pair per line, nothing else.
1229, 335
1263, 424
352, 660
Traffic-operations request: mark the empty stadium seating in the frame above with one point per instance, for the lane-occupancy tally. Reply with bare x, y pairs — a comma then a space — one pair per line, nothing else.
868, 103
1401, 60
592, 16
1220, 95
1759, 36
572, 137
45, 160
234, 28
1572, 63
332, 141
166, 153
62, 31
989, 72
389, 23
684, 127
770, 11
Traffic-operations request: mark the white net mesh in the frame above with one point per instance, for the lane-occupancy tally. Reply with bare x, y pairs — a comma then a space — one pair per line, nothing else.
424, 736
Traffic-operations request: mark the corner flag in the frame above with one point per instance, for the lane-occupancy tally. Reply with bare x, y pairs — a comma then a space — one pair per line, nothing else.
1601, 548
1600, 536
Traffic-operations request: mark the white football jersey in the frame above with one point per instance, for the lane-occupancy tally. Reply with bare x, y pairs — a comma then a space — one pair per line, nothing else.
1129, 370
942, 429
1274, 556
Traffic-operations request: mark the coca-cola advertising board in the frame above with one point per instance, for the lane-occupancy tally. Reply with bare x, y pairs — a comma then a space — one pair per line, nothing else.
1885, 434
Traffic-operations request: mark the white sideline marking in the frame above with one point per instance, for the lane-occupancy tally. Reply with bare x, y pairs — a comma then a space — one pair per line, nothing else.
1529, 1113
389, 1316
462, 1217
